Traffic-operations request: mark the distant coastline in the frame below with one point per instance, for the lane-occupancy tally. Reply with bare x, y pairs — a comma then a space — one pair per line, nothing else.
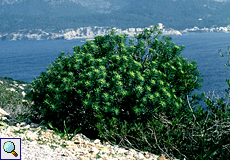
91, 32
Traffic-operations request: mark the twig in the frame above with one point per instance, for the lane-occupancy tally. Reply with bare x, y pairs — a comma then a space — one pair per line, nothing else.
192, 112
158, 144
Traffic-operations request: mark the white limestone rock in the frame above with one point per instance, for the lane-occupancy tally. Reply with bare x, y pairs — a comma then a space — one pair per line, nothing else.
3, 112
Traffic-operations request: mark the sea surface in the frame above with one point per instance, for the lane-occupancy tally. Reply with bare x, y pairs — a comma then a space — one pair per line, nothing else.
24, 60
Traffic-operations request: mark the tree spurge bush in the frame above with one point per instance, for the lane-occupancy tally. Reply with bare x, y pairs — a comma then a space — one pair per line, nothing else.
116, 79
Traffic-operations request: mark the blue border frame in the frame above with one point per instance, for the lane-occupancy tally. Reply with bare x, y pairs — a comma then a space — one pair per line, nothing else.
20, 148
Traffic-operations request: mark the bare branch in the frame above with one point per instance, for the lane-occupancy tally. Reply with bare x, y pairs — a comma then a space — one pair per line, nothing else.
192, 112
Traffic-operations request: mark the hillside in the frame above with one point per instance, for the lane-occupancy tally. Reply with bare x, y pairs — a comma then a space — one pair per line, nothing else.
57, 15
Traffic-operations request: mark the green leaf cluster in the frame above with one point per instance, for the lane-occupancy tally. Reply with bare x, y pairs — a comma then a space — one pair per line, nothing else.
115, 77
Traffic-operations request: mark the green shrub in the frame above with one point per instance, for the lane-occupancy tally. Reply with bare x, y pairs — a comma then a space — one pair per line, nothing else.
109, 79
198, 133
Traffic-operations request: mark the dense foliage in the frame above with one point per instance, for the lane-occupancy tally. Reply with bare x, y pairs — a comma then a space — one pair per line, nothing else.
108, 76
134, 92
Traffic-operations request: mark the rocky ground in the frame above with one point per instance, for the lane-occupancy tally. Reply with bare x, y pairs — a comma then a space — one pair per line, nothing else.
48, 144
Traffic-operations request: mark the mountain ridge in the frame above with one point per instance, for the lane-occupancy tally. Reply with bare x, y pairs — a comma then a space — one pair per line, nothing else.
59, 15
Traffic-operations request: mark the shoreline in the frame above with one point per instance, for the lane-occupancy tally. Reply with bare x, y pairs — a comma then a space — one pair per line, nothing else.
90, 32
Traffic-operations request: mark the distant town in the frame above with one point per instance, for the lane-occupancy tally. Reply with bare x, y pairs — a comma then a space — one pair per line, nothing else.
91, 32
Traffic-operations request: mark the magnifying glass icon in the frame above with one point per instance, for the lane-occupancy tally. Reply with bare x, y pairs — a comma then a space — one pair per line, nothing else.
9, 147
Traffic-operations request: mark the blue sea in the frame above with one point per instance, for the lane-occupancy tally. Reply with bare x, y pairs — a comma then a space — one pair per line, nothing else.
24, 60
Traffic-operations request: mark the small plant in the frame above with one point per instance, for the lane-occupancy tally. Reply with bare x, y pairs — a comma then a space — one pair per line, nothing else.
64, 135
53, 147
